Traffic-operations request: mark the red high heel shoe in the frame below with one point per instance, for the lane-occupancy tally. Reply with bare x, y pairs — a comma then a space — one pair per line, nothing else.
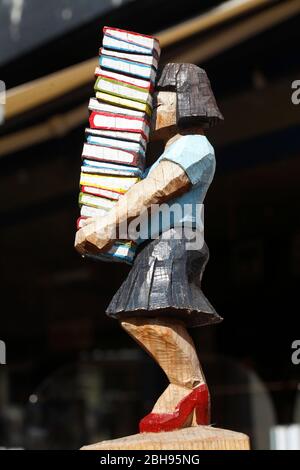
197, 400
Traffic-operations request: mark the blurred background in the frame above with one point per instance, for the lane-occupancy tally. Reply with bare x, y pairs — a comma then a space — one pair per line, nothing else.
72, 375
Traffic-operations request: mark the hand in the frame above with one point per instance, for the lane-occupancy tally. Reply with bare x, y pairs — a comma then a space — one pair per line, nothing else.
96, 236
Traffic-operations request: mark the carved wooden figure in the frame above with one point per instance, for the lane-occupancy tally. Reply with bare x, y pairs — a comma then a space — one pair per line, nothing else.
162, 296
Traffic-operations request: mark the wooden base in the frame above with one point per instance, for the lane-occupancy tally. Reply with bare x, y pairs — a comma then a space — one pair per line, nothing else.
193, 438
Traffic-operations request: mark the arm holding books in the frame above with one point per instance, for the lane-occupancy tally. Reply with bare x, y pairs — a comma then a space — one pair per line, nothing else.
166, 181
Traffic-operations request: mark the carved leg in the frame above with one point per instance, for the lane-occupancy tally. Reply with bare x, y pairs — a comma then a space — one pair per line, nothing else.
169, 343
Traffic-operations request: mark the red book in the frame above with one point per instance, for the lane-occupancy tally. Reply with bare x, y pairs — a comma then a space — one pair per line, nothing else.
101, 192
118, 122
112, 155
130, 41
80, 221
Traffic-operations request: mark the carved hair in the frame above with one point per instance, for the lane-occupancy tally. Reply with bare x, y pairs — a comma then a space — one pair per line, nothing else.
196, 103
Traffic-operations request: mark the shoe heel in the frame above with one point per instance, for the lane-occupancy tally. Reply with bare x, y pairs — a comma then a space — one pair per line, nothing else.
202, 411
195, 403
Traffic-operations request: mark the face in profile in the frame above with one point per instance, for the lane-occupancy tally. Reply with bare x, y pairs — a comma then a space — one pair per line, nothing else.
164, 113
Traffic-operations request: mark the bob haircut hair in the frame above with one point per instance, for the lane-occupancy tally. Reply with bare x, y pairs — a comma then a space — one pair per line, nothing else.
196, 103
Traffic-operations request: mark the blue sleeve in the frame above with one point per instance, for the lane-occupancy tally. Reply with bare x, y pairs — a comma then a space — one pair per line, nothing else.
196, 157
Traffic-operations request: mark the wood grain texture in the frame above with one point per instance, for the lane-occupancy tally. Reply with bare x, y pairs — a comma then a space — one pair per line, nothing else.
194, 438
170, 345
167, 180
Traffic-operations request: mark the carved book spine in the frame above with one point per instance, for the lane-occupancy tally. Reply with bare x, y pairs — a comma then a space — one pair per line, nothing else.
113, 156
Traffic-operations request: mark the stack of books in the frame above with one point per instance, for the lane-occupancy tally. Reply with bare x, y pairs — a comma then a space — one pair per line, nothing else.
113, 156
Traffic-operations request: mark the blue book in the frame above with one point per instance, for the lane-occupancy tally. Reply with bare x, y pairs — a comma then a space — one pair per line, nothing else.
98, 167
127, 67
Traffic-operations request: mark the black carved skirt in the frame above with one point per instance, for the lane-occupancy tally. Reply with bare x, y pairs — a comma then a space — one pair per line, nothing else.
165, 281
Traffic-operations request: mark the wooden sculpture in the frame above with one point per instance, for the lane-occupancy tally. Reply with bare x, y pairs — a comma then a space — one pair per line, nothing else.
113, 156
162, 297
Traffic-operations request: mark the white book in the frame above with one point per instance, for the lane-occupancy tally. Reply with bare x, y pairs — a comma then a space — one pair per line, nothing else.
124, 137
116, 143
143, 59
96, 105
135, 42
87, 211
120, 77
114, 43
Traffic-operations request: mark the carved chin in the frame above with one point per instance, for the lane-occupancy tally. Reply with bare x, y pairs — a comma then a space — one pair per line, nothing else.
164, 120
